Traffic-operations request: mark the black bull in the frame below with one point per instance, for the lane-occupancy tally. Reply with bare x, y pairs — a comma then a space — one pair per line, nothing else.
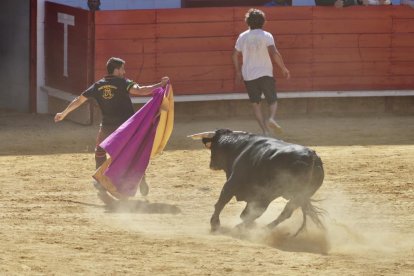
260, 169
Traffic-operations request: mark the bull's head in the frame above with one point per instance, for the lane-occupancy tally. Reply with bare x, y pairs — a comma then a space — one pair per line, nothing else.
211, 140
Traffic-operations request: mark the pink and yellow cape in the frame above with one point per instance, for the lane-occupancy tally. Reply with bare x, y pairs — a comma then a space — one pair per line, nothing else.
131, 146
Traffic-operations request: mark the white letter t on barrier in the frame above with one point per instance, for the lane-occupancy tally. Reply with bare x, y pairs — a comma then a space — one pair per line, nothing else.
66, 20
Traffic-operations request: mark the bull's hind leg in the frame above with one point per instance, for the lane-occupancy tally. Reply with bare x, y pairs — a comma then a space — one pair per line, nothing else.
251, 212
291, 206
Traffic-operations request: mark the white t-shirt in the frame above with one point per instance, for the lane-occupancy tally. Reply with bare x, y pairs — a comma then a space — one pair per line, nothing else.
256, 60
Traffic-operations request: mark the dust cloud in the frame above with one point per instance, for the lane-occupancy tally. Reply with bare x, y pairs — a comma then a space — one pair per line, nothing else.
340, 235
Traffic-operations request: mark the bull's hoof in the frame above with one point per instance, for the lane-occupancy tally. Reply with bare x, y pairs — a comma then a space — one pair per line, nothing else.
215, 228
214, 223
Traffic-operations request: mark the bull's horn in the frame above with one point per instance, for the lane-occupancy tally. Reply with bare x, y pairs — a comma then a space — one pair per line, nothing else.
201, 135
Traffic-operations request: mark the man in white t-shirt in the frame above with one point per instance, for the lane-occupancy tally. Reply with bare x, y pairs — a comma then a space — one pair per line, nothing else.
257, 48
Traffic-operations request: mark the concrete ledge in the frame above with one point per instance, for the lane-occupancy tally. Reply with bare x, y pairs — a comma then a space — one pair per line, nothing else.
237, 104
243, 96
300, 106
286, 95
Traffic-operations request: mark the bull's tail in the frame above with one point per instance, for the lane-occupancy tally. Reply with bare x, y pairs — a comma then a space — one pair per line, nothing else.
314, 212
308, 209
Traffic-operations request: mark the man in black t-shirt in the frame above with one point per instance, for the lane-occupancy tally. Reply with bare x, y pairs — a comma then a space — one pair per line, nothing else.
112, 93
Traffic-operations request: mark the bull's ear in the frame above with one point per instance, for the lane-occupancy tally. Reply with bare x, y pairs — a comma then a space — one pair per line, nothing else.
207, 145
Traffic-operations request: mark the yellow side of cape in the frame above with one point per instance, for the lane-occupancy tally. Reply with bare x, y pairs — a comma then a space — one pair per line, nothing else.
165, 124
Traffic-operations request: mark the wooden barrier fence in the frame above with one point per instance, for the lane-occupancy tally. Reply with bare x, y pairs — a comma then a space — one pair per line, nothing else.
326, 49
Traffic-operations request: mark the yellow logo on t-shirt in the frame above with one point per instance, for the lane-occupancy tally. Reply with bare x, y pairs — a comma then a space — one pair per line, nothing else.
108, 92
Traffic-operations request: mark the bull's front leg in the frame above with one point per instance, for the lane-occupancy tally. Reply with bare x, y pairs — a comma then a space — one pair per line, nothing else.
225, 196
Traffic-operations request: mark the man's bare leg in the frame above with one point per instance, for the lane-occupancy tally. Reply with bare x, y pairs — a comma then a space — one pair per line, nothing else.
272, 119
259, 118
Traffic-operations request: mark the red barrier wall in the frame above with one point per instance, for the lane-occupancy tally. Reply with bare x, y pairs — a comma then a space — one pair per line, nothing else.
354, 48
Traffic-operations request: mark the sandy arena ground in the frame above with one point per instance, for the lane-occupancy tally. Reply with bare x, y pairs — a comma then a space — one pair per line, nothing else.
52, 223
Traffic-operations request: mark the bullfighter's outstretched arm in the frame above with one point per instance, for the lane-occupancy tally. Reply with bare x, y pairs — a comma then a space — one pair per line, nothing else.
77, 102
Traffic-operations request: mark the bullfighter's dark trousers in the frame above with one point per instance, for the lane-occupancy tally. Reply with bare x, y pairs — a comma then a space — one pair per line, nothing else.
100, 154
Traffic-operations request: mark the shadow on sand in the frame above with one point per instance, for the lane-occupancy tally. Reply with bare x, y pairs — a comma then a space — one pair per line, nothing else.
309, 241
134, 206
139, 206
